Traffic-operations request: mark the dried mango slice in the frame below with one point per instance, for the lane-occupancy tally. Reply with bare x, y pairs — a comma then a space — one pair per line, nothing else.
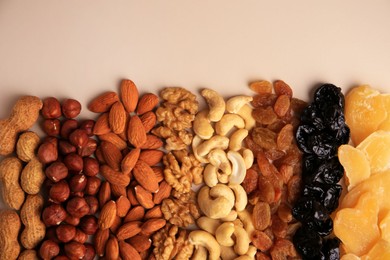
380, 251
384, 226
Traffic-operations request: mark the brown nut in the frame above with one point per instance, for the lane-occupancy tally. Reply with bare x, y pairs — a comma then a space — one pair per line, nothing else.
56, 171
53, 215
51, 108
65, 232
47, 152
88, 126
88, 149
68, 126
61, 257
77, 207
89, 224
72, 220
80, 236
65, 147
122, 206
75, 250
93, 185
100, 240
91, 166
79, 138
71, 108
59, 192
74, 162
141, 243
112, 248
90, 252
51, 234
104, 193
78, 183
93, 204
49, 249
51, 127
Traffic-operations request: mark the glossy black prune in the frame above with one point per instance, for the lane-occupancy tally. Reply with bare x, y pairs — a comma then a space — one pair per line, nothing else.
308, 243
330, 94
327, 194
325, 171
331, 249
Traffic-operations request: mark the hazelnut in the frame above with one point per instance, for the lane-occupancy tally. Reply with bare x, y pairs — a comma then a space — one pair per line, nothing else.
65, 232
77, 194
78, 138
88, 149
72, 220
91, 166
68, 126
75, 250
59, 192
61, 257
51, 139
74, 162
88, 126
49, 249
51, 108
71, 108
93, 204
80, 236
78, 183
77, 207
47, 152
51, 234
52, 127
93, 185
65, 147
89, 224
56, 171
53, 215
90, 253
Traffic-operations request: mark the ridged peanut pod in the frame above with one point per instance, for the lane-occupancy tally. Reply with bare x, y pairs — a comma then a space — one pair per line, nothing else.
10, 170
9, 230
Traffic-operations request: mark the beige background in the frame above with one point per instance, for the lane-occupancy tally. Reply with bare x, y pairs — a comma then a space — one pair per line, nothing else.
79, 48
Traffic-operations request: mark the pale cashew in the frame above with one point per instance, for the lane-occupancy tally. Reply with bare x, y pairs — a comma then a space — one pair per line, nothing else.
227, 253
218, 158
238, 222
200, 253
244, 257
248, 157
251, 251
210, 176
236, 139
208, 224
241, 196
206, 240
215, 142
216, 202
216, 104
242, 240
246, 218
196, 141
202, 125
234, 104
238, 167
246, 113
224, 233
222, 178
228, 122
231, 217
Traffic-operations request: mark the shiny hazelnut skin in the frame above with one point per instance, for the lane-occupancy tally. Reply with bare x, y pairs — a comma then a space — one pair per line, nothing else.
53, 215
65, 147
93, 185
90, 253
80, 236
47, 153
56, 171
91, 166
65, 232
72, 220
51, 234
74, 162
89, 224
78, 182
49, 249
75, 250
59, 192
51, 127
70, 108
77, 207
61, 257
93, 204
88, 126
88, 149
78, 138
51, 108
68, 126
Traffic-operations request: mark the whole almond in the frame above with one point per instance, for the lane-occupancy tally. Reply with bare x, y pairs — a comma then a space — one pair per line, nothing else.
112, 249
107, 215
163, 192
112, 155
128, 252
131, 196
130, 160
154, 212
144, 197
104, 193
101, 125
122, 206
136, 213
159, 173
118, 190
141, 243
114, 177
152, 142
103, 102
152, 225
129, 95
114, 139
145, 176
116, 225
151, 157
100, 240
149, 120
136, 133
129, 229
117, 117
146, 103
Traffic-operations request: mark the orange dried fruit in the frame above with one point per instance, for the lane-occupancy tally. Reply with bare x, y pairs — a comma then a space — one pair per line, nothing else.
261, 87
282, 88
261, 215
264, 116
282, 105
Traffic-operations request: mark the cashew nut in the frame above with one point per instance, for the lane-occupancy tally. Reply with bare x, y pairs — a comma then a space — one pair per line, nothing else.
215, 142
228, 122
202, 125
234, 104
236, 139
224, 233
241, 196
216, 104
242, 240
238, 167
227, 253
210, 175
251, 251
246, 218
216, 202
200, 253
208, 224
246, 113
196, 141
248, 157
231, 217
206, 240
223, 178
218, 158
244, 257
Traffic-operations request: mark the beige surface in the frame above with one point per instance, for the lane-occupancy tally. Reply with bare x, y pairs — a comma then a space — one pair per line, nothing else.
79, 48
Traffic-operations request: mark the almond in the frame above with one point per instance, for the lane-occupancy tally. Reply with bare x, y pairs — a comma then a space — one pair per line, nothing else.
114, 177
136, 133
118, 190
128, 252
114, 139
112, 155
154, 213
112, 248
116, 225
103, 102
129, 229
122, 206
158, 172
144, 197
104, 193
163, 192
101, 125
131, 196
136, 213
107, 215
152, 142
100, 241
151, 157
149, 120
145, 176
152, 225
146, 103
129, 95
141, 243
130, 160
117, 118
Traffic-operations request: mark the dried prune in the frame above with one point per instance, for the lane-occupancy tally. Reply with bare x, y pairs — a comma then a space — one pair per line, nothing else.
325, 171
331, 249
308, 243
329, 94
327, 194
